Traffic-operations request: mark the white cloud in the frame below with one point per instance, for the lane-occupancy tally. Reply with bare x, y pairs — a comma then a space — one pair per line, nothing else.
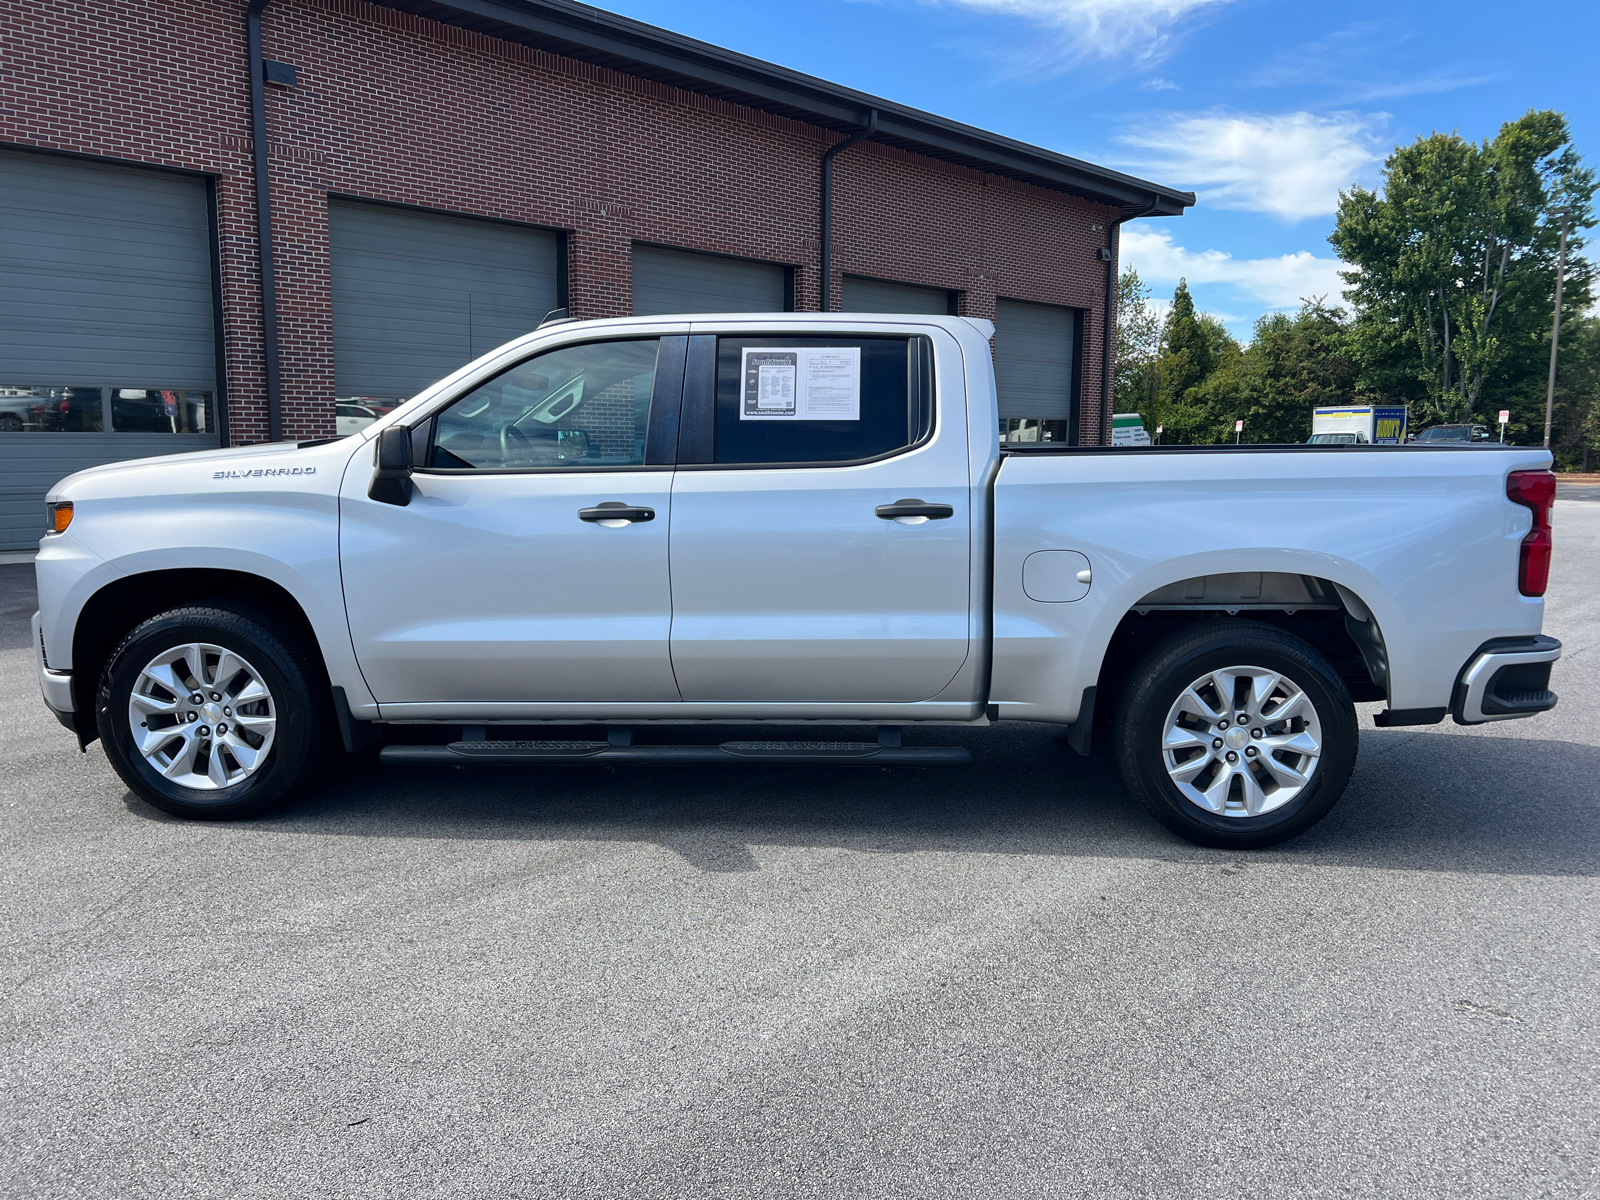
1141, 30
1366, 61
1291, 165
1424, 86
1279, 282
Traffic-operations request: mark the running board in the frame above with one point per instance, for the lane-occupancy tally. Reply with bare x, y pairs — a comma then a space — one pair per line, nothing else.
865, 754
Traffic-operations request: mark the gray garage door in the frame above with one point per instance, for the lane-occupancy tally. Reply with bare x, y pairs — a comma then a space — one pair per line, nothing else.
107, 340
416, 295
679, 281
874, 295
1033, 360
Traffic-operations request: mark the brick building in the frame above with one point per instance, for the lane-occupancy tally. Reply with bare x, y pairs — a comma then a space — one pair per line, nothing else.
441, 175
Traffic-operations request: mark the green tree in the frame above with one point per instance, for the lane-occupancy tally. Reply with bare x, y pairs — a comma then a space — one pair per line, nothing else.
1224, 394
1138, 351
1576, 417
1453, 265
1188, 357
1217, 338
1297, 364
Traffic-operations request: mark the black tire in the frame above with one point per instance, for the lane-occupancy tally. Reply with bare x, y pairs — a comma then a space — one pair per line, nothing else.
299, 701
1162, 676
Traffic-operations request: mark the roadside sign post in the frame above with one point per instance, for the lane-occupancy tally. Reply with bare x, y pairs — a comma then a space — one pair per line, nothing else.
1238, 430
1159, 428
1505, 415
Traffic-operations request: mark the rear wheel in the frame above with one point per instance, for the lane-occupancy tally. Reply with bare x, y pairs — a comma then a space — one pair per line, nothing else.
1236, 734
213, 713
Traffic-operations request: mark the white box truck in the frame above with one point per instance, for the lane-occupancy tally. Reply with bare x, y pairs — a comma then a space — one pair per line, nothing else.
1358, 425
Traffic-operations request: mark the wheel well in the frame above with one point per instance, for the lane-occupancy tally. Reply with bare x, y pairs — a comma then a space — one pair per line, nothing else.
116, 608
1331, 618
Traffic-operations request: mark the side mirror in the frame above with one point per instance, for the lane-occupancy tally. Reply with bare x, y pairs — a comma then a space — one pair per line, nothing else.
391, 482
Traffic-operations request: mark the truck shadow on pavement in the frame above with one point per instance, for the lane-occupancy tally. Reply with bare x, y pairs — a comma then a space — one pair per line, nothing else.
1427, 800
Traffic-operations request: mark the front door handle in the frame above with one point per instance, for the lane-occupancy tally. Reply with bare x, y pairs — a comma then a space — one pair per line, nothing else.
914, 512
613, 514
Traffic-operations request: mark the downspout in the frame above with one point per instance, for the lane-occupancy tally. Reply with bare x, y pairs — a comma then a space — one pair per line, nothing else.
827, 204
269, 295
1111, 292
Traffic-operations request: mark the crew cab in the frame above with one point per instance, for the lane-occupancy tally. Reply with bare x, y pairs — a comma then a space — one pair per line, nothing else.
608, 528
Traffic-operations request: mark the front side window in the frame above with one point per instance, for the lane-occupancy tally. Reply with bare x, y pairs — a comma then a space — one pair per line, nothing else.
580, 406
788, 399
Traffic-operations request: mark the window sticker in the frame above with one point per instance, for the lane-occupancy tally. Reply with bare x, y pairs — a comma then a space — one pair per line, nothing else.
809, 383
769, 384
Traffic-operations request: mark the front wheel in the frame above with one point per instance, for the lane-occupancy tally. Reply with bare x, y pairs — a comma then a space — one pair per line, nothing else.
211, 713
1235, 734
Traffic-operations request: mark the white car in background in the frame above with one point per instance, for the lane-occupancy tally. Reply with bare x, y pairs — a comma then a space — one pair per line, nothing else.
352, 418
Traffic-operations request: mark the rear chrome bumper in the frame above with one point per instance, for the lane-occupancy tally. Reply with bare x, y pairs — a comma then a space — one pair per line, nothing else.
56, 685
1506, 679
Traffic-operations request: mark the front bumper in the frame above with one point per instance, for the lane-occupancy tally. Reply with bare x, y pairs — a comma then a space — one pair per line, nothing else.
56, 685
1506, 679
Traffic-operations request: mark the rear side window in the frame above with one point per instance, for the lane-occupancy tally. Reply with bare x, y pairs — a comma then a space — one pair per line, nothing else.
787, 399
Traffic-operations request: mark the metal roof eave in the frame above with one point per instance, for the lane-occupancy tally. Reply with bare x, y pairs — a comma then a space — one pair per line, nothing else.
632, 47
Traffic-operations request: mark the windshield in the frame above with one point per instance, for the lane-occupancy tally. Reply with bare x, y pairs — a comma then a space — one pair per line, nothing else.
1333, 439
1446, 433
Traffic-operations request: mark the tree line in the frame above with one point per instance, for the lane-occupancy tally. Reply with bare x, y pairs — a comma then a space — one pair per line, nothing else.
1448, 305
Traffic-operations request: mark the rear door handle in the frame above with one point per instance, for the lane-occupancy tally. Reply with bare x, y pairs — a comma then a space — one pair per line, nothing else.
614, 513
914, 512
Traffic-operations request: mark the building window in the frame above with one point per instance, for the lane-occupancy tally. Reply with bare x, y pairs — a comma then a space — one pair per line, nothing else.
159, 410
27, 409
1031, 429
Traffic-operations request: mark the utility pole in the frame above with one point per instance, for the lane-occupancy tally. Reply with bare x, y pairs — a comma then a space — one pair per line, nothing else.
1555, 332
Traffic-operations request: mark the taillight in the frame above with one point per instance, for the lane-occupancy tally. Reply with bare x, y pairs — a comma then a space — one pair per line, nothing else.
1534, 490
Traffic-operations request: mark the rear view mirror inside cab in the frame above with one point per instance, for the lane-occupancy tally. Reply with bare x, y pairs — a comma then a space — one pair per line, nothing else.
559, 402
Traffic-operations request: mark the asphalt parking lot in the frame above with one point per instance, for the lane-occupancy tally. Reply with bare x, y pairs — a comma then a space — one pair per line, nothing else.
999, 980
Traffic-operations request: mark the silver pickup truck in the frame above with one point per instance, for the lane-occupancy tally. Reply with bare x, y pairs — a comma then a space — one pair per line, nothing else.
780, 520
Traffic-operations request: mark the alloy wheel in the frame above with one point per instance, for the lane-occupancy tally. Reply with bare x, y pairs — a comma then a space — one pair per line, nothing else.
1242, 741
202, 716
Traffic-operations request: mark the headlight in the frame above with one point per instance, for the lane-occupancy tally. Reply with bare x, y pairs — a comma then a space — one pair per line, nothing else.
57, 516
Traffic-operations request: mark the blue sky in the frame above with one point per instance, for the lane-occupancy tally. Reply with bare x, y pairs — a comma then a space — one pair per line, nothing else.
1265, 108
